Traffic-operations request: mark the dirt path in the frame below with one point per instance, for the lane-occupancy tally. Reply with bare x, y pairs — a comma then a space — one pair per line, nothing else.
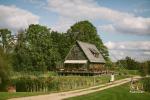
63, 95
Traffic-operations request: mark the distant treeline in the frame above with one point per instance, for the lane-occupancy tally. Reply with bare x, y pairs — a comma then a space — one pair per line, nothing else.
131, 64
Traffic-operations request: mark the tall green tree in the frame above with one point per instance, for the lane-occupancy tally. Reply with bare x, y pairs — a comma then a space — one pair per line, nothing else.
22, 59
131, 63
4, 70
61, 42
6, 39
128, 63
35, 50
148, 65
86, 31
145, 68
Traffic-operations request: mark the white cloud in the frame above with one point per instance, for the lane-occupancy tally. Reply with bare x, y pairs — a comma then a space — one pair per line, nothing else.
121, 22
147, 53
15, 18
139, 50
63, 24
136, 45
107, 28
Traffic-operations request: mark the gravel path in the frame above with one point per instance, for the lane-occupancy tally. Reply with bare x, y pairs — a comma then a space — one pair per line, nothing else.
63, 95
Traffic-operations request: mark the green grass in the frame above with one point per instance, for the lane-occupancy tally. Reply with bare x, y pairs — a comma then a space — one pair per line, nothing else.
133, 72
66, 79
118, 77
129, 72
7, 95
115, 93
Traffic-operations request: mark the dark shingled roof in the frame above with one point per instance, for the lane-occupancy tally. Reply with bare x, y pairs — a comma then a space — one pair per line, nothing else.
88, 50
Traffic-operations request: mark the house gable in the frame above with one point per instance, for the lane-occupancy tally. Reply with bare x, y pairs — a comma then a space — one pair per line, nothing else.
84, 51
76, 53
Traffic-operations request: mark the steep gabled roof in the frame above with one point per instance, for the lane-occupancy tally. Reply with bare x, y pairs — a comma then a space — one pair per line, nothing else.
91, 52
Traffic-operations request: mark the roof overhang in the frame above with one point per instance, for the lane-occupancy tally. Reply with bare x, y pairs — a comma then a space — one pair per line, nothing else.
98, 62
75, 61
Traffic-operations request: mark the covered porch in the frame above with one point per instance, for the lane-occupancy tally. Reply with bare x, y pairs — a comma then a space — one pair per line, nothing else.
75, 65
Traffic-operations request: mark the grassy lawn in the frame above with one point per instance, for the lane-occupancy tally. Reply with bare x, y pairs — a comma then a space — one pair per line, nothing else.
7, 95
115, 93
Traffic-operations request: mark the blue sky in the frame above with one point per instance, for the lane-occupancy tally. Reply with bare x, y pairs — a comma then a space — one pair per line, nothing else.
123, 25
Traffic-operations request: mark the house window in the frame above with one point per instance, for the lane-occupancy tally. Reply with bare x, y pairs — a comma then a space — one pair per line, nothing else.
75, 52
94, 52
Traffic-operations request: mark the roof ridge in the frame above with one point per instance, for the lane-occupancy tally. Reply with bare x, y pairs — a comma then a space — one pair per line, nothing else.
78, 43
85, 42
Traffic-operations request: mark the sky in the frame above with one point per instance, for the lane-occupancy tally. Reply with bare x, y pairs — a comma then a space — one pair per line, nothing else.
123, 25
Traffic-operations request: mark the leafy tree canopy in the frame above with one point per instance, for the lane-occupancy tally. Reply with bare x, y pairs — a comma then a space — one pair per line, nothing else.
6, 39
62, 43
4, 70
128, 63
34, 49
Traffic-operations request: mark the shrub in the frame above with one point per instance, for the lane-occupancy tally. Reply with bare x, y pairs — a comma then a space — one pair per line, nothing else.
4, 70
146, 84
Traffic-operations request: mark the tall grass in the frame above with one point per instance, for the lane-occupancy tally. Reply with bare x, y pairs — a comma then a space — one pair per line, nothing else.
50, 81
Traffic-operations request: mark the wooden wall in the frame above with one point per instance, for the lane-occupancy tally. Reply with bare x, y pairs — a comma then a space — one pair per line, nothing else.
76, 54
96, 67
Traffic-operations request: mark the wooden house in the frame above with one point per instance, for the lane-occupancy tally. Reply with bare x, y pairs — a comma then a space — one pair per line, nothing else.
84, 57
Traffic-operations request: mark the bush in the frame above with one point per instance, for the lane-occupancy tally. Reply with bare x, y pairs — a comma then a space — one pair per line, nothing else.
146, 84
32, 84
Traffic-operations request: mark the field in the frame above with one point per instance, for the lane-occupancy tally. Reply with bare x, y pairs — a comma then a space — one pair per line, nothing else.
67, 83
116, 93
46, 82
